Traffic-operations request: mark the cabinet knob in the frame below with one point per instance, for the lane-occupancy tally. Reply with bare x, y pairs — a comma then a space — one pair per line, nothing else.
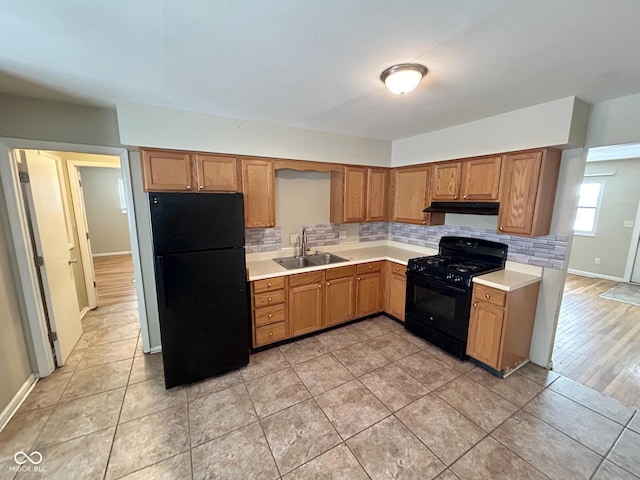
270, 315
328, 283
424, 222
201, 187
464, 197
269, 284
370, 267
475, 305
188, 187
271, 224
319, 285
269, 299
455, 197
358, 278
501, 228
271, 334
403, 280
488, 296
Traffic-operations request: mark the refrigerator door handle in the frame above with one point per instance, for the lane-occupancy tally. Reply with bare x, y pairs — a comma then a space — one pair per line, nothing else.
162, 297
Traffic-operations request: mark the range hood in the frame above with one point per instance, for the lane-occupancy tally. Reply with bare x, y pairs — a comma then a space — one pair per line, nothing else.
474, 208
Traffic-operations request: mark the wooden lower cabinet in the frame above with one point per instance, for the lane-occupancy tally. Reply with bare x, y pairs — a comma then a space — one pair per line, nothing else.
305, 303
369, 297
268, 306
501, 325
396, 290
340, 300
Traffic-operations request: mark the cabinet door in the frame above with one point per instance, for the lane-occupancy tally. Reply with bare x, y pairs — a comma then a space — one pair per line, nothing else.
166, 171
368, 294
485, 333
377, 180
305, 309
354, 194
520, 175
397, 295
217, 173
481, 179
446, 181
410, 194
259, 193
339, 300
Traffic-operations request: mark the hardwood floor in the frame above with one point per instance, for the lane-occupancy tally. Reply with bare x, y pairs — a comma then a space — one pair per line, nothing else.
598, 340
114, 279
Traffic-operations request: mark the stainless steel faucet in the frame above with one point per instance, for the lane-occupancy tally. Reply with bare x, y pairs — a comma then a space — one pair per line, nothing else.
305, 248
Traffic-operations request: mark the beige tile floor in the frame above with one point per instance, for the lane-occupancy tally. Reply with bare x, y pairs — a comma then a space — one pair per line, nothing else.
368, 400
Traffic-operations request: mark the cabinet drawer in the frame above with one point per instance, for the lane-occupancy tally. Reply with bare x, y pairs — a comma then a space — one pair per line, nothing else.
270, 334
398, 268
489, 295
305, 279
265, 316
340, 272
368, 267
267, 299
268, 284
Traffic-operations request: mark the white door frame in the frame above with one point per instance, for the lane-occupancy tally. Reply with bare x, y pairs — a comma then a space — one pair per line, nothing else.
81, 221
634, 247
28, 278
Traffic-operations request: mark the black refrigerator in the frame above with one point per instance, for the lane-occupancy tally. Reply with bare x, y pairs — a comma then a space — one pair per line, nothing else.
201, 283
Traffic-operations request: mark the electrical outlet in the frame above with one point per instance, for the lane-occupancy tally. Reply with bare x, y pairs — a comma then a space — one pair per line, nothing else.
293, 238
627, 224
343, 234
596, 261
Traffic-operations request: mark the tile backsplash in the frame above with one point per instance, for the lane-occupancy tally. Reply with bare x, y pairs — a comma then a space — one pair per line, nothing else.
548, 251
368, 232
262, 239
322, 234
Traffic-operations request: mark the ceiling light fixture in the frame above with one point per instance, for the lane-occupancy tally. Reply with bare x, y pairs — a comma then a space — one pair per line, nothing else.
403, 78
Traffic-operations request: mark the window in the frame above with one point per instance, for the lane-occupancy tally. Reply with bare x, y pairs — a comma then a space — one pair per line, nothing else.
588, 207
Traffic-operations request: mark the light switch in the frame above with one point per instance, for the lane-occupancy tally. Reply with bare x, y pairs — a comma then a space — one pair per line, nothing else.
343, 234
627, 224
293, 238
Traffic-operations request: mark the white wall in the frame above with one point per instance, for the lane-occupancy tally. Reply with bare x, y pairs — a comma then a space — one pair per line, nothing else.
108, 226
149, 126
34, 119
15, 365
558, 123
611, 242
614, 122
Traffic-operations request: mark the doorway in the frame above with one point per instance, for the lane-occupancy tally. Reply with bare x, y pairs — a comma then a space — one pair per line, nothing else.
42, 323
598, 333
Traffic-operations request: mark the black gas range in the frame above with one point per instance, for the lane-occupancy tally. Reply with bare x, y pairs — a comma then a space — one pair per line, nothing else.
439, 289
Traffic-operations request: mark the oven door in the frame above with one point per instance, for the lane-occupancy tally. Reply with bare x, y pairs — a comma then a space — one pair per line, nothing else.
439, 305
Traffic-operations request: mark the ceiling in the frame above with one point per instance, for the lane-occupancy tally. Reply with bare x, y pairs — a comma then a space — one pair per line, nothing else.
315, 63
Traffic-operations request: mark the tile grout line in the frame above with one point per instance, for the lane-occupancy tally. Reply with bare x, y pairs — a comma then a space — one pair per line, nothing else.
115, 431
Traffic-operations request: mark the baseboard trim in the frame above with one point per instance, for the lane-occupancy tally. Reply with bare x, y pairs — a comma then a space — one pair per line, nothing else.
11, 409
157, 349
582, 273
110, 254
83, 312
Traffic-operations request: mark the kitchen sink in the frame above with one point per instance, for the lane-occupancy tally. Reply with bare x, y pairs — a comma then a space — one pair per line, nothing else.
315, 260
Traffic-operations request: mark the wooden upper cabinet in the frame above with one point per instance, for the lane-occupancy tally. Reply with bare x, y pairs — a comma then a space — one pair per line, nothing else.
355, 182
349, 200
259, 193
446, 181
527, 193
377, 188
410, 188
481, 179
166, 171
217, 173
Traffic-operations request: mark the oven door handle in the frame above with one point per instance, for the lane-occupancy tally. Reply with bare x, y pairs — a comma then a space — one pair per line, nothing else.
425, 281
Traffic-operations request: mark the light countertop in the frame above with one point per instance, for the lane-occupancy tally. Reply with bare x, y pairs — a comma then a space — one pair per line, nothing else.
261, 265
507, 280
260, 268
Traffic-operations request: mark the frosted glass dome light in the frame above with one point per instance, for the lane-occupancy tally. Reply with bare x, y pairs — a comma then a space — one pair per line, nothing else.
403, 78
